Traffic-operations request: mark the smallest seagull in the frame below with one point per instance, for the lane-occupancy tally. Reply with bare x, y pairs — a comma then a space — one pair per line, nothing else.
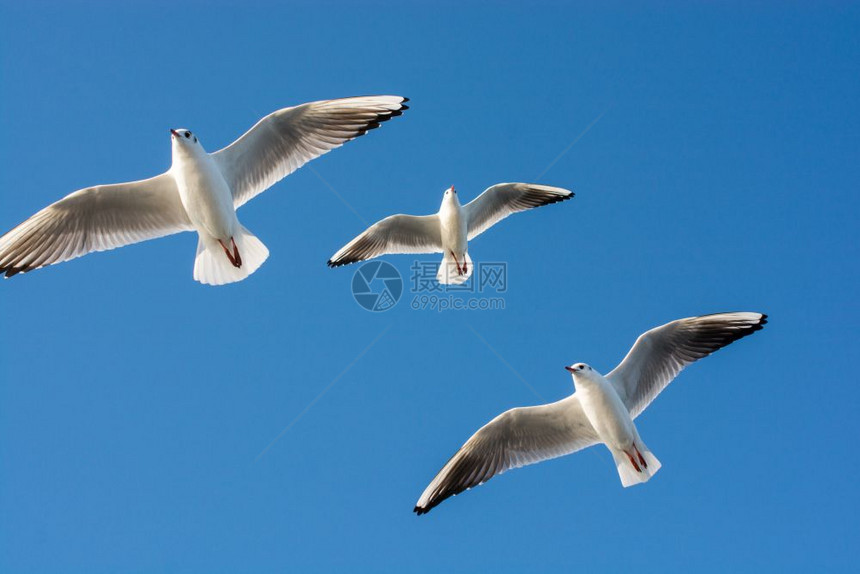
450, 230
601, 410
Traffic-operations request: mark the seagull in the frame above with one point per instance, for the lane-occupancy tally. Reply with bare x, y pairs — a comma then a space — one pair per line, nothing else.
200, 192
450, 230
601, 410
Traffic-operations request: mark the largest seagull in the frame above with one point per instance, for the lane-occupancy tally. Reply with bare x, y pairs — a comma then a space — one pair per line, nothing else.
601, 410
200, 192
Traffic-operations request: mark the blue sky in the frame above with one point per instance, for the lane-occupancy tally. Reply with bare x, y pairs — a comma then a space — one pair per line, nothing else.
722, 174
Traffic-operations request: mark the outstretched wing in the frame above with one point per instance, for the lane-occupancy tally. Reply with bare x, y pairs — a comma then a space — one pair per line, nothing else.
94, 219
503, 199
285, 140
661, 353
394, 234
515, 438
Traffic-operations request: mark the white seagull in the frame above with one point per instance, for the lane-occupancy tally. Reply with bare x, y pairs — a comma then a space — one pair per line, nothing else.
450, 230
200, 192
601, 410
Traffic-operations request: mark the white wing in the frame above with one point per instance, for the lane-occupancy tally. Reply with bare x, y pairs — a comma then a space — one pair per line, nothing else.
285, 140
513, 439
503, 199
94, 219
661, 353
394, 234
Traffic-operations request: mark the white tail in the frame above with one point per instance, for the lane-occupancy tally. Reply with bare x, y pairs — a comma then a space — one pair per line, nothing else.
449, 270
213, 267
627, 471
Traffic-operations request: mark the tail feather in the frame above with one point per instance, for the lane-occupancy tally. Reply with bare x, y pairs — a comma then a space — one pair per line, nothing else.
627, 471
213, 267
450, 270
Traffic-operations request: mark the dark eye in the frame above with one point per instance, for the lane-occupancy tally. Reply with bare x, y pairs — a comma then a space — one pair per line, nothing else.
187, 134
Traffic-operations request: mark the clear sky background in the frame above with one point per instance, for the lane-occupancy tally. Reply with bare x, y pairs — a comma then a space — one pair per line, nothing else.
722, 174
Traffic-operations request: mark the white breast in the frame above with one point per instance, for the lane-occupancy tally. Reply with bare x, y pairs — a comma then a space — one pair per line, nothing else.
605, 410
454, 228
206, 196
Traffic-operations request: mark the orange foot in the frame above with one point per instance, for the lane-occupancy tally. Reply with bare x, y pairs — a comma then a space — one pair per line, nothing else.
457, 263
234, 257
633, 461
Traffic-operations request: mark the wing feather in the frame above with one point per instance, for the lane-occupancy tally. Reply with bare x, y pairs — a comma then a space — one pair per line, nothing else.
394, 234
659, 355
285, 140
503, 199
94, 219
515, 438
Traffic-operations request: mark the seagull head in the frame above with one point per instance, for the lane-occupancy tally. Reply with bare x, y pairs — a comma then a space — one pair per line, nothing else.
578, 369
182, 136
450, 195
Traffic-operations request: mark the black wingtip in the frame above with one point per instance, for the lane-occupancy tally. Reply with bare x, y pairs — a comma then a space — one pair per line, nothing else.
342, 262
557, 199
11, 271
762, 321
381, 117
419, 510
757, 326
